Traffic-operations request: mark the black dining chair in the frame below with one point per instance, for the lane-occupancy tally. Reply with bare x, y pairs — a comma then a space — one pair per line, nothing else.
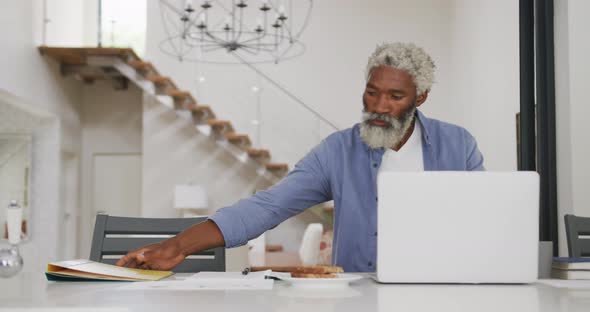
575, 228
115, 236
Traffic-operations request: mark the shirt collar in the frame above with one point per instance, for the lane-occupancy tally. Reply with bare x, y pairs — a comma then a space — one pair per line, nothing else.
425, 126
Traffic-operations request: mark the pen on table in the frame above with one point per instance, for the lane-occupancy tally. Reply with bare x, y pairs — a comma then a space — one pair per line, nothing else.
248, 270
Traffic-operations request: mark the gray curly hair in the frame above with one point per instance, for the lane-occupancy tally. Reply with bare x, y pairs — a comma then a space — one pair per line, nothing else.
408, 57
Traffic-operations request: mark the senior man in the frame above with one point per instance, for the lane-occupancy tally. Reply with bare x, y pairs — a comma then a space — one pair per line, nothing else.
393, 136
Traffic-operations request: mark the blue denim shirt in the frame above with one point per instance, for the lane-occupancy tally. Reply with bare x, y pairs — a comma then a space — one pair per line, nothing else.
343, 168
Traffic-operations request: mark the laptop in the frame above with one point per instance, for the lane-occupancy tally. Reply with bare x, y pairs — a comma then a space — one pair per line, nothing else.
457, 227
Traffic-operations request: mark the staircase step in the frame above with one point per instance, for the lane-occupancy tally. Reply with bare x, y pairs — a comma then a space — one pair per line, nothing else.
220, 126
273, 248
259, 155
158, 79
79, 56
182, 99
163, 83
126, 54
201, 113
180, 94
240, 140
143, 67
278, 169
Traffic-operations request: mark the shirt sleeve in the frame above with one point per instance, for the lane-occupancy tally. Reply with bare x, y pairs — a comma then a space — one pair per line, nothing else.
474, 156
306, 185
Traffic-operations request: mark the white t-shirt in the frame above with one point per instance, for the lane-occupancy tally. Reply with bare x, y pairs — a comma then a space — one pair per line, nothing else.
408, 158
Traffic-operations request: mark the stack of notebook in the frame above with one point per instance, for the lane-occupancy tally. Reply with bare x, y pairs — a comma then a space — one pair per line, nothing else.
571, 268
87, 270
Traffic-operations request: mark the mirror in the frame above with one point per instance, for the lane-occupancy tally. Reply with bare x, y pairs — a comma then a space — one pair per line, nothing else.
15, 164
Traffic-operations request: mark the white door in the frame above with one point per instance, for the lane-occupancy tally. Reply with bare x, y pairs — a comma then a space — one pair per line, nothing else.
117, 184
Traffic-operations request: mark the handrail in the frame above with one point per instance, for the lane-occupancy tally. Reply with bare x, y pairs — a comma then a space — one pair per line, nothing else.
284, 90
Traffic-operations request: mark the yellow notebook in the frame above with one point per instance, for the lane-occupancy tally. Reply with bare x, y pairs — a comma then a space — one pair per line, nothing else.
87, 270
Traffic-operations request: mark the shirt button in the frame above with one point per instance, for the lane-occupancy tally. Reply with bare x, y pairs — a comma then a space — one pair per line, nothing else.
375, 165
370, 263
376, 198
375, 233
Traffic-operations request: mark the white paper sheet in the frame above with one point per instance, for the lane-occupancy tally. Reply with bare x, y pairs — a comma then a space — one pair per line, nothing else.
230, 275
239, 275
209, 281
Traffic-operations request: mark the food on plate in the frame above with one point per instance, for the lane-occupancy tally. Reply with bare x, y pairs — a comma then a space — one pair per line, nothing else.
316, 269
311, 275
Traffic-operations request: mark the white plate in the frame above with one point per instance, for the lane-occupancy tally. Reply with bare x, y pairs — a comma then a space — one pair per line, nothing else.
342, 280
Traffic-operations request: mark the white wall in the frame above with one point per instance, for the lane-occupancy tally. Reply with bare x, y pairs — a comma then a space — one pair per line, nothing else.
62, 15
36, 81
68, 22
572, 70
175, 153
474, 45
111, 124
90, 22
484, 77
28, 75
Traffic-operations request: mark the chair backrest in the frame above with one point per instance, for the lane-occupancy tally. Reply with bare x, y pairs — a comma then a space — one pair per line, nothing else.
115, 236
575, 227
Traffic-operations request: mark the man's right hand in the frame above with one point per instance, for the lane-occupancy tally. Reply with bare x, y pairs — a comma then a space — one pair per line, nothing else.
171, 252
160, 256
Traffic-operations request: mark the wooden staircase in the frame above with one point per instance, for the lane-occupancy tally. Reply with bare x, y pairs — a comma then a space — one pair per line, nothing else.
260, 155
123, 65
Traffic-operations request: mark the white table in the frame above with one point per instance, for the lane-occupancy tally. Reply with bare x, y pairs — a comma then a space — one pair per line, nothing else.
32, 290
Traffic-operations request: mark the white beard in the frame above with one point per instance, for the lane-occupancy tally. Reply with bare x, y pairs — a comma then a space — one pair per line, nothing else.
386, 137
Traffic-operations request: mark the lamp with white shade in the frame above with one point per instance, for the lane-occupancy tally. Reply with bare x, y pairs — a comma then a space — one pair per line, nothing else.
192, 200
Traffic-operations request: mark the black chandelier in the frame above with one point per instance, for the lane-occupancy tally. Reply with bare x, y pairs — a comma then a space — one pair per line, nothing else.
234, 31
